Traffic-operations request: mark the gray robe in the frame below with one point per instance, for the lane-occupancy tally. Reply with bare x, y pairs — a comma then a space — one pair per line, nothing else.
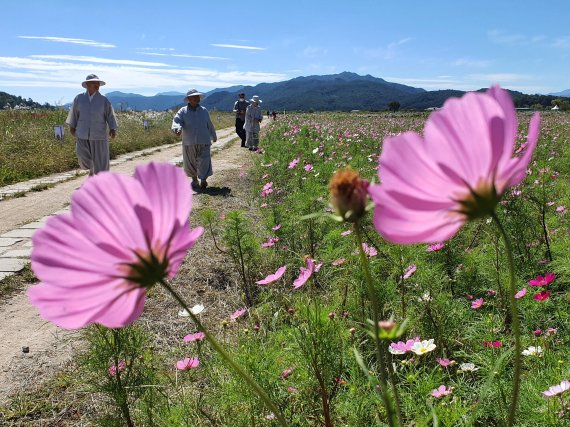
91, 120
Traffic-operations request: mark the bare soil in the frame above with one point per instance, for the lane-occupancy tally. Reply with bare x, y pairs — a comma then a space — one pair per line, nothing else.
206, 277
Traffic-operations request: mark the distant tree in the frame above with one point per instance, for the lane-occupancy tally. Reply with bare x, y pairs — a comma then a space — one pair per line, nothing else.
537, 107
394, 106
563, 104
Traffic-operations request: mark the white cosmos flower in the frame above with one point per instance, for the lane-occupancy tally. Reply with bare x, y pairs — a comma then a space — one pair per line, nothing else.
468, 367
533, 351
197, 309
423, 347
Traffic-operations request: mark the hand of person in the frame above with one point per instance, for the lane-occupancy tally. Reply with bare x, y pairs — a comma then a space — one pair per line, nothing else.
113, 133
72, 131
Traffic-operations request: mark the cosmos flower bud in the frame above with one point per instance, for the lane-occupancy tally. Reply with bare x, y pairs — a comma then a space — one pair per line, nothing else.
349, 194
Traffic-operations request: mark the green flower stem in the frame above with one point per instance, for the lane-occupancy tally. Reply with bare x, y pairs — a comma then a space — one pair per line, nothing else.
240, 371
376, 319
515, 324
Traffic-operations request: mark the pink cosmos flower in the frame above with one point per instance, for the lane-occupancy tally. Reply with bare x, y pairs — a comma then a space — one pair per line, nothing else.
306, 273
308, 167
542, 296
238, 313
445, 362
494, 344
273, 277
187, 363
557, 389
123, 235
457, 172
286, 373
478, 303
542, 281
198, 336
121, 366
410, 271
401, 347
347, 232
435, 247
441, 391
339, 261
293, 163
276, 227
370, 251
520, 293
270, 242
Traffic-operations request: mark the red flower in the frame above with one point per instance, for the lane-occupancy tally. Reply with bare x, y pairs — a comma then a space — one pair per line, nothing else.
542, 296
542, 281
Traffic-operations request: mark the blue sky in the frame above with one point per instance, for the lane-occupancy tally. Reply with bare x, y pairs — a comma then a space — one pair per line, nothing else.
47, 47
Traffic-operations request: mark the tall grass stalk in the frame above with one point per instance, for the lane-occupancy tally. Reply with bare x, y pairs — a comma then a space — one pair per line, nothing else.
237, 368
515, 322
394, 415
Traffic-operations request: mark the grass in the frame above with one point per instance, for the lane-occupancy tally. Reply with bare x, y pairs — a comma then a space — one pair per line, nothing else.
28, 148
16, 282
319, 333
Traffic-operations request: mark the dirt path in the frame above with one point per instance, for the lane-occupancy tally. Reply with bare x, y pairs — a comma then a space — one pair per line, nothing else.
50, 348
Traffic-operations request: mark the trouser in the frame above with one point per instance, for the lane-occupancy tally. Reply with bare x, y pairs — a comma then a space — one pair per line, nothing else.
240, 130
92, 155
197, 161
252, 140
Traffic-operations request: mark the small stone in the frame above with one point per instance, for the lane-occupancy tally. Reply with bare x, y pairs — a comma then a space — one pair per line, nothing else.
25, 349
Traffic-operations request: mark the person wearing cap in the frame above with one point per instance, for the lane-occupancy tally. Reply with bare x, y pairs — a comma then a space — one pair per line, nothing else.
194, 124
253, 118
90, 119
240, 107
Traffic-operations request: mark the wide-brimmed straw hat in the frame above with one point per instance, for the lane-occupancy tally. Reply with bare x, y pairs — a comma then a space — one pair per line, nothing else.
92, 78
194, 92
255, 98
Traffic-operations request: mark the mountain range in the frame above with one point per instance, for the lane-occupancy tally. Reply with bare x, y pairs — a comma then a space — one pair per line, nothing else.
336, 92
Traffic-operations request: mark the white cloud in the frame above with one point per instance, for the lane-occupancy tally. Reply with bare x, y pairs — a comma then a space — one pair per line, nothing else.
500, 77
390, 51
471, 63
238, 46
97, 60
562, 43
184, 55
144, 79
314, 52
503, 37
84, 42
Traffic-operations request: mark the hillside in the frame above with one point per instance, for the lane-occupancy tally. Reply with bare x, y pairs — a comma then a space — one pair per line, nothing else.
13, 101
336, 92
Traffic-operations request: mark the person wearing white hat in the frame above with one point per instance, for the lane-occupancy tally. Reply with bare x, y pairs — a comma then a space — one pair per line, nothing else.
194, 124
253, 118
89, 118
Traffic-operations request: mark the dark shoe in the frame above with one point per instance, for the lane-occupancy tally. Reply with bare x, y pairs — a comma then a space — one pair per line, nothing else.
204, 184
195, 184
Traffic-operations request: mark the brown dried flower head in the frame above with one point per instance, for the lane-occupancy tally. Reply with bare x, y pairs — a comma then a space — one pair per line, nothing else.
349, 194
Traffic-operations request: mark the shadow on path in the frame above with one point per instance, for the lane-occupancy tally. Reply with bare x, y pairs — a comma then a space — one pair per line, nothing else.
215, 191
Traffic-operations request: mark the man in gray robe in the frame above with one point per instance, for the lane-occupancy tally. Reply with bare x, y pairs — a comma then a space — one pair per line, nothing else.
89, 118
194, 124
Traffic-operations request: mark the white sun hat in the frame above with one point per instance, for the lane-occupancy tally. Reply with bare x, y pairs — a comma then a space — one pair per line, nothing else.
92, 78
194, 92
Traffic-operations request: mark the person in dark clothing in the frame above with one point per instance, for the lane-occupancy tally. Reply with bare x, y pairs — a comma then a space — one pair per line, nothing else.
239, 108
